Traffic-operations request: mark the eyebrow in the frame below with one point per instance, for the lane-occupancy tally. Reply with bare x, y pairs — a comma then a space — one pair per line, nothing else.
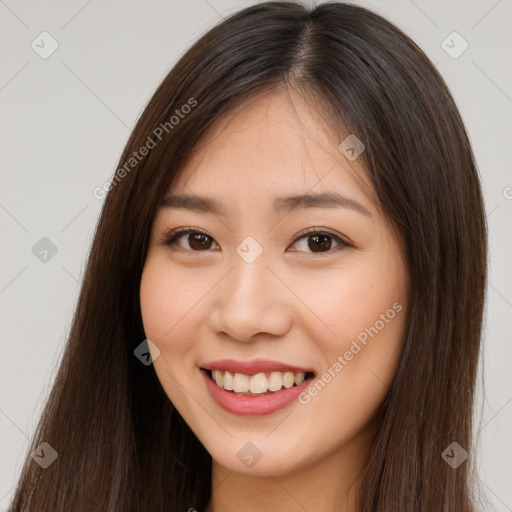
292, 203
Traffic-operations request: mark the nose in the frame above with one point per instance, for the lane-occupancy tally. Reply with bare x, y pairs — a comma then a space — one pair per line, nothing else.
251, 302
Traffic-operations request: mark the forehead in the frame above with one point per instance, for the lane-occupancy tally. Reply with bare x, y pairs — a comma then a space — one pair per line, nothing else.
274, 145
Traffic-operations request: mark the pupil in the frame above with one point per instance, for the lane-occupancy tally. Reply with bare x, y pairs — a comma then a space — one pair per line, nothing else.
194, 238
323, 245
321, 242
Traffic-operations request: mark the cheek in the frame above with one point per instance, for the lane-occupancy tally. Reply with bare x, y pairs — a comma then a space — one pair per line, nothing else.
165, 300
161, 314
364, 308
172, 307
348, 301
164, 305
153, 303
360, 358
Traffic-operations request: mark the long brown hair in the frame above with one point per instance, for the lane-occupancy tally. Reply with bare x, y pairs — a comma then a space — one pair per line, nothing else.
122, 446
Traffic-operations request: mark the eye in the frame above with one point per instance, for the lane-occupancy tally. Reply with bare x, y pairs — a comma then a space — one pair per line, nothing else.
320, 241
316, 239
199, 240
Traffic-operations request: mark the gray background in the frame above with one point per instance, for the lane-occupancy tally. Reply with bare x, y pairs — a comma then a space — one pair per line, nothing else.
65, 119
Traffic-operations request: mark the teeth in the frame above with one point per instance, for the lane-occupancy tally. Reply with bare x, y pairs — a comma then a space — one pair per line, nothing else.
299, 378
256, 384
219, 378
288, 379
240, 383
228, 380
275, 382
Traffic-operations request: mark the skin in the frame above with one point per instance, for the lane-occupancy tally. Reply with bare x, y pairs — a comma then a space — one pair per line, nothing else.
291, 304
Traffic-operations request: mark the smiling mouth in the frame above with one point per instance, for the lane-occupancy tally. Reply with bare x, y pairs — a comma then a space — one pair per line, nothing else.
259, 384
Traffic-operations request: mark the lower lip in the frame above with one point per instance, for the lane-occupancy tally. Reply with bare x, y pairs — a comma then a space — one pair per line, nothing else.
244, 405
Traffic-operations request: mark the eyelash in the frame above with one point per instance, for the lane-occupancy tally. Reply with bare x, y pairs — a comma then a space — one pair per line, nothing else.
169, 238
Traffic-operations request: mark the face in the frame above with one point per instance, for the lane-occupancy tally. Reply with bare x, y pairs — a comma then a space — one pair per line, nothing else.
305, 296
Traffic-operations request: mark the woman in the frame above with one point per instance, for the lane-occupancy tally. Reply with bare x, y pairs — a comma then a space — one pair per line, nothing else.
283, 302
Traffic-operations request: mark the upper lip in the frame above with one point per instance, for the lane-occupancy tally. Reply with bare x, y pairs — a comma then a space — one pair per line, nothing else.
253, 367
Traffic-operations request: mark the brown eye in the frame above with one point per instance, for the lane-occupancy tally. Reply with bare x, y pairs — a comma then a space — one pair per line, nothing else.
320, 241
316, 241
197, 240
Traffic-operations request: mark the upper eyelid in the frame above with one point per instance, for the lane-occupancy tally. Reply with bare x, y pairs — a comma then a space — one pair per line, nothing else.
190, 230
187, 230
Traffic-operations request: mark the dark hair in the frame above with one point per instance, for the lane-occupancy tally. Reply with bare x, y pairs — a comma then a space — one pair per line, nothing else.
121, 444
